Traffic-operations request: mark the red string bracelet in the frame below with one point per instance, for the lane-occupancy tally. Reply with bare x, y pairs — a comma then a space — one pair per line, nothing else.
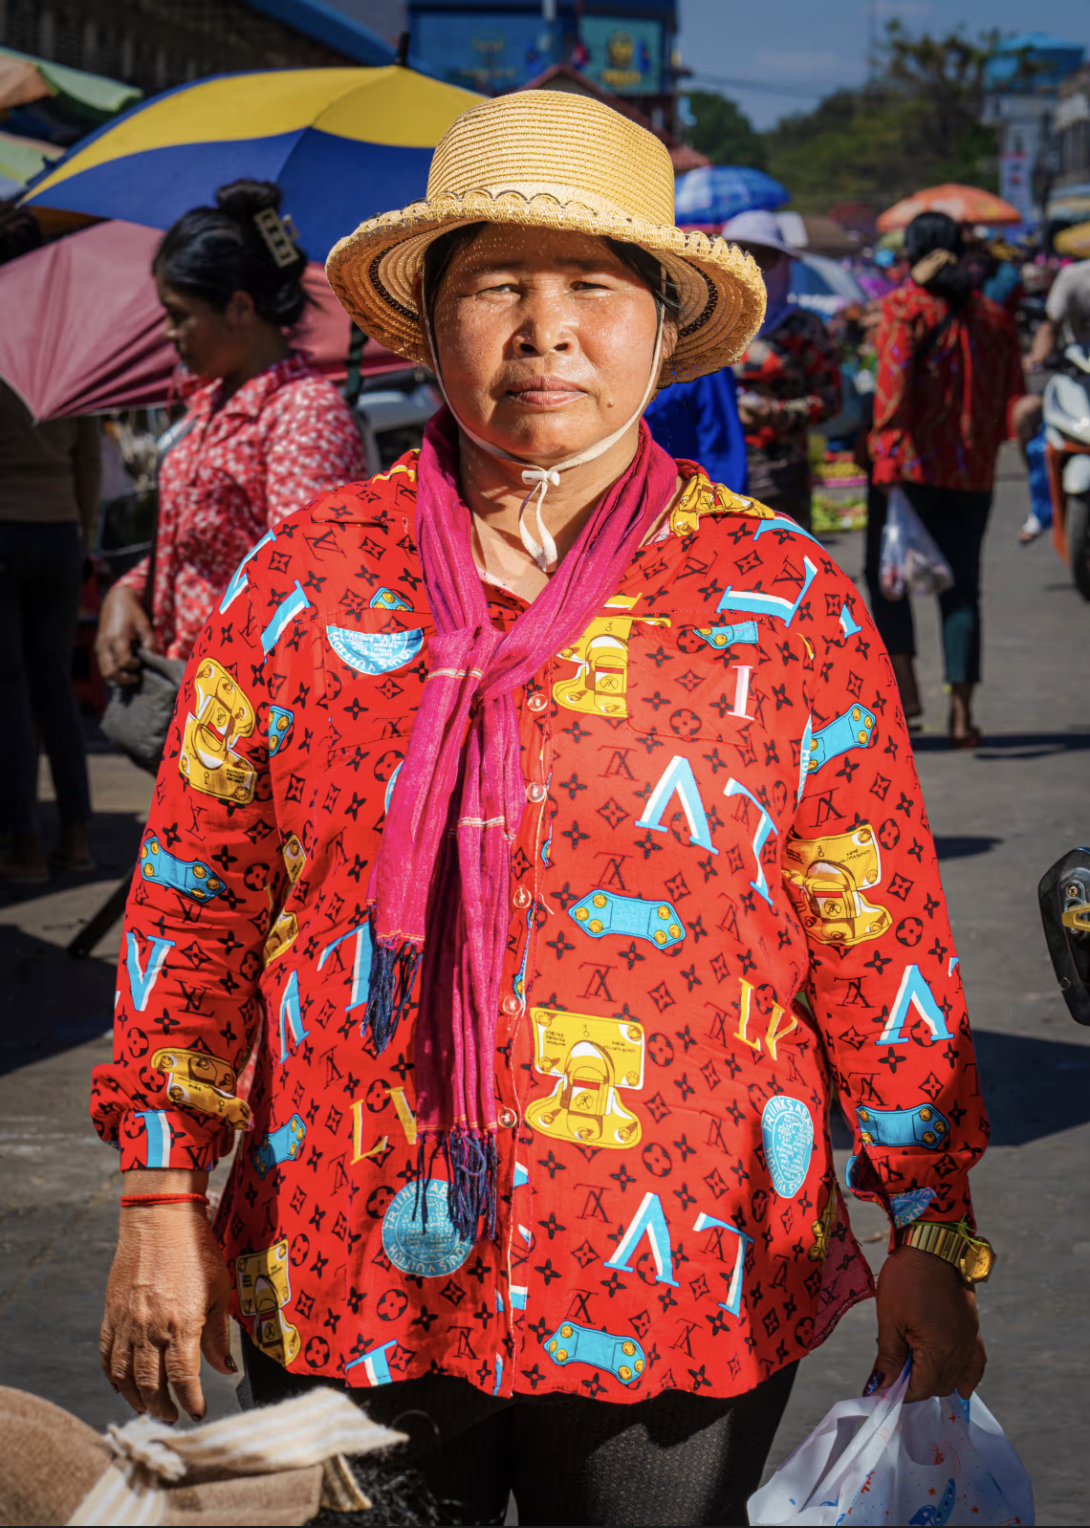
132, 1201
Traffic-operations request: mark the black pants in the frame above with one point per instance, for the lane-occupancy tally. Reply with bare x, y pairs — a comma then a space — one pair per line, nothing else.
40, 577
674, 1459
957, 520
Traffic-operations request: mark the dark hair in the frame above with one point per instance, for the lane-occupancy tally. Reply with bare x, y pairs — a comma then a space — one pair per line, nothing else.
19, 231
213, 252
441, 251
931, 231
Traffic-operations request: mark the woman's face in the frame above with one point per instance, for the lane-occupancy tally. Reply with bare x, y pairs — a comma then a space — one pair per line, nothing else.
209, 343
545, 340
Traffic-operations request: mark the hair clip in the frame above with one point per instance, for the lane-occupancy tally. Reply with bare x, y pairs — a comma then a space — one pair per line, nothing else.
279, 234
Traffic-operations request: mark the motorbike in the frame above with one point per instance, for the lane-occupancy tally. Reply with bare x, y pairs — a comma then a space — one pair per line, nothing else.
1067, 456
1064, 897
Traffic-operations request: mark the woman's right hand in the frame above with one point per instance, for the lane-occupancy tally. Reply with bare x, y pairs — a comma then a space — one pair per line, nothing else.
167, 1302
122, 624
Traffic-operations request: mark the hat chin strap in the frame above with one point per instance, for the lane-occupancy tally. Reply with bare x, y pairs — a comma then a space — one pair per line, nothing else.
541, 479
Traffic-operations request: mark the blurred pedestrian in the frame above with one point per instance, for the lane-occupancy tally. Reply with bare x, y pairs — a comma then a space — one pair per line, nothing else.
949, 367
788, 378
49, 477
699, 422
1066, 322
262, 434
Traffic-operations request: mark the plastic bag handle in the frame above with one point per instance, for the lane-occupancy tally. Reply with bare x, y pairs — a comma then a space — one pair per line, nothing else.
893, 1399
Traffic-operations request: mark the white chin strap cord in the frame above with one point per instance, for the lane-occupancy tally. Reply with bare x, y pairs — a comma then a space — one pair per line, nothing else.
541, 479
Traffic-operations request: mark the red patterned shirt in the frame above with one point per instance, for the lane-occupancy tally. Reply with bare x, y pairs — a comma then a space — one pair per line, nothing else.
943, 391
796, 368
725, 904
240, 467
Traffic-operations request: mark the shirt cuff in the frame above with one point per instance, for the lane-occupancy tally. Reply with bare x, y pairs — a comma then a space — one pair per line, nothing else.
909, 1189
136, 578
170, 1138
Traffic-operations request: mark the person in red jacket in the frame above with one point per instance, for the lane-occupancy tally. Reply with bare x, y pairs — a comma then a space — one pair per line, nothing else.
543, 814
949, 366
262, 433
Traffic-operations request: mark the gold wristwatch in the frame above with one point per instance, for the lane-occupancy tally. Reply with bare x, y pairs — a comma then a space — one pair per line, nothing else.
972, 1256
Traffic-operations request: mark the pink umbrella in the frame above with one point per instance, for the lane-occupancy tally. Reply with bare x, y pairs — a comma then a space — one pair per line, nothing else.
83, 329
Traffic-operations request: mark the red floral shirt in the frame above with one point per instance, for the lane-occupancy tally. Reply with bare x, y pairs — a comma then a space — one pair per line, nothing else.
725, 903
239, 468
796, 368
941, 403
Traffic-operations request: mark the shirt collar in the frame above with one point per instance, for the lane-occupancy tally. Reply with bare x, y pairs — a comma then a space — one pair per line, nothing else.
253, 396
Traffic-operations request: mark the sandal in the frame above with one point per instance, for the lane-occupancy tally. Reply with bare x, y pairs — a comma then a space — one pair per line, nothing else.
14, 874
63, 865
971, 739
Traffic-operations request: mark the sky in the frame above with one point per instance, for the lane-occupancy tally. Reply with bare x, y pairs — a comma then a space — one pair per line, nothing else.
806, 48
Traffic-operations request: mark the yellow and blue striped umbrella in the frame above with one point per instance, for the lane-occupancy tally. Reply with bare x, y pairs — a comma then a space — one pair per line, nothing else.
344, 144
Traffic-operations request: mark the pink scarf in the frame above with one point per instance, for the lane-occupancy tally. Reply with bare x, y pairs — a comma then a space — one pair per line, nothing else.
440, 889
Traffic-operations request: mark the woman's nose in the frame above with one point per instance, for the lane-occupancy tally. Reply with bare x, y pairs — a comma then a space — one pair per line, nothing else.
544, 328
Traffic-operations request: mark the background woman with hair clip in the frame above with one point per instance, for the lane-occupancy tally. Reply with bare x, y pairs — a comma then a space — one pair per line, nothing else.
948, 369
262, 434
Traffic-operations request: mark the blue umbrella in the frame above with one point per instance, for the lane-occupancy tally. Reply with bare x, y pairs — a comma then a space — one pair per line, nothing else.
344, 144
719, 192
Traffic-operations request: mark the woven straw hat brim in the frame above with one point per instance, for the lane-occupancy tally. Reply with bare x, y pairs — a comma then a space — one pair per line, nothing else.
722, 292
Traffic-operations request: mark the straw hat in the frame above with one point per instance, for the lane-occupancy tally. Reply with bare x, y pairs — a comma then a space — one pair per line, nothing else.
551, 159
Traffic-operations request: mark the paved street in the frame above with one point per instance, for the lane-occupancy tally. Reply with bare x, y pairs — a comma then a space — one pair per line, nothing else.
1000, 816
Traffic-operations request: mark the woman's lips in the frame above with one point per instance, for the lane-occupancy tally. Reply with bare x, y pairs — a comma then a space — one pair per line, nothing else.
545, 393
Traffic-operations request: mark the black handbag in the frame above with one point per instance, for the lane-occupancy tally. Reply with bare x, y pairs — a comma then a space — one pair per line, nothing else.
138, 716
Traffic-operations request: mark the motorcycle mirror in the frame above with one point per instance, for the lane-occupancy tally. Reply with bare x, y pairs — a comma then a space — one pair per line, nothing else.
1064, 895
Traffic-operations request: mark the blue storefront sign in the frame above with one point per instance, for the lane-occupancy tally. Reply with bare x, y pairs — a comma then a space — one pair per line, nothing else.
489, 53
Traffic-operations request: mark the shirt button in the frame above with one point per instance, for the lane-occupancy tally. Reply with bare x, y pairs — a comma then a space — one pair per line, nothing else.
537, 701
511, 1005
522, 897
508, 1119
535, 792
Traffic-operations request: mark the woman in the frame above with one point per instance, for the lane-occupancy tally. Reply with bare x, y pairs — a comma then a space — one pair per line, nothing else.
49, 487
262, 432
949, 367
486, 783
789, 378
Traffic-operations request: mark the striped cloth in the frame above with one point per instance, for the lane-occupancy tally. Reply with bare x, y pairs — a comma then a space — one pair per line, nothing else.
295, 1435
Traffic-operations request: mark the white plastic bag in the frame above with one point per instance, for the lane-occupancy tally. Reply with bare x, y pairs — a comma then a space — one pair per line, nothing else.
876, 1460
910, 560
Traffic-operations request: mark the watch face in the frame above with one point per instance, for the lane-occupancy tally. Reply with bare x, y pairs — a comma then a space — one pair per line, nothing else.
976, 1262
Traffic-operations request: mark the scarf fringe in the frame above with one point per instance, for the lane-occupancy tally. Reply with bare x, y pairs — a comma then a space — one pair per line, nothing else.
471, 1161
393, 972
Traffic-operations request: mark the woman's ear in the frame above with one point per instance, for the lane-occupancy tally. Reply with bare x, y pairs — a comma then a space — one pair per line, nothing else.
240, 312
669, 336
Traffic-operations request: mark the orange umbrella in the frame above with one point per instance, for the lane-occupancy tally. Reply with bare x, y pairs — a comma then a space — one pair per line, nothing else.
965, 204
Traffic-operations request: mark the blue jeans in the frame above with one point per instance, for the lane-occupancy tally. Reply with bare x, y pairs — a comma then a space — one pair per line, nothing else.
40, 579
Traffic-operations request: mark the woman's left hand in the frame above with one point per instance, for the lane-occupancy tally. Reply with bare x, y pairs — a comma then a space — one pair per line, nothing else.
925, 1308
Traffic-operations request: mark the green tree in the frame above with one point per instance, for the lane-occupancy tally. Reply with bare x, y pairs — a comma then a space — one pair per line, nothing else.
916, 123
723, 132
